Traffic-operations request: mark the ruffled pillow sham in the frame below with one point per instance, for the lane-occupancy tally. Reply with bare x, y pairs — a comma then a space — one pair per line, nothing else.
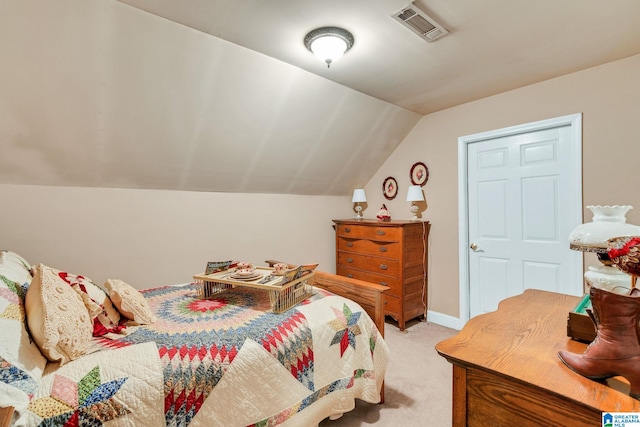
104, 315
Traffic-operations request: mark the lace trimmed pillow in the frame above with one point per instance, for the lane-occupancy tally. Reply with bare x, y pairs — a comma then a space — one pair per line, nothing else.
130, 302
58, 320
104, 315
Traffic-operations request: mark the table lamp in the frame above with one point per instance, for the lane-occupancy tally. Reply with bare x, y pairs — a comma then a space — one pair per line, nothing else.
358, 197
414, 194
608, 222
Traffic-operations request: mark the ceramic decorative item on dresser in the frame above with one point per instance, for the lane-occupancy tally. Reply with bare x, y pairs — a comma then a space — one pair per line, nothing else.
389, 253
608, 222
383, 214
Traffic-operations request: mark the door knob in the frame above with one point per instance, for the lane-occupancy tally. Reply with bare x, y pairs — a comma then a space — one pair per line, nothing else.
473, 246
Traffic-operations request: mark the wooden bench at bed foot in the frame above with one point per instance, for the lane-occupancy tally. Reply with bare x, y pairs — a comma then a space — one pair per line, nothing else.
5, 416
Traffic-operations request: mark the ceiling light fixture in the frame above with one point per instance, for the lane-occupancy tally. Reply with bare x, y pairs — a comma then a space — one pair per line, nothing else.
329, 43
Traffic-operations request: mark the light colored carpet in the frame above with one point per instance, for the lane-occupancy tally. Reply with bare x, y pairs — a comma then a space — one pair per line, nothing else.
417, 383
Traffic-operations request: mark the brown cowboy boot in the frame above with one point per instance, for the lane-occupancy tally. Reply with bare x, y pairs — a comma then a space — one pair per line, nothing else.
616, 348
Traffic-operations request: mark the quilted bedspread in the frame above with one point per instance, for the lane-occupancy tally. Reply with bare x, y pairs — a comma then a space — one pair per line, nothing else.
227, 361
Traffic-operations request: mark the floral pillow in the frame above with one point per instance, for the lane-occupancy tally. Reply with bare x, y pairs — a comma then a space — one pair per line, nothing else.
21, 363
59, 322
104, 315
130, 302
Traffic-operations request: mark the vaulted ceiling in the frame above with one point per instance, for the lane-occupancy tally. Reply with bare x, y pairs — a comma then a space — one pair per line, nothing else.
493, 45
221, 95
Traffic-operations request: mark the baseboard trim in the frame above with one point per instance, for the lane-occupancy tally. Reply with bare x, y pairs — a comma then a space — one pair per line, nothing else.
445, 320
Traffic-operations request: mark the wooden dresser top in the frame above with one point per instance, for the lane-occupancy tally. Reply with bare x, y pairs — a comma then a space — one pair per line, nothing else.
521, 341
376, 222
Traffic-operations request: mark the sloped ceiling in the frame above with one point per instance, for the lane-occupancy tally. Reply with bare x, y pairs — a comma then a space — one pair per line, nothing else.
493, 45
220, 95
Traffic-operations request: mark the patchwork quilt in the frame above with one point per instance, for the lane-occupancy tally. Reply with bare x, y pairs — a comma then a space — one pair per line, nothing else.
225, 361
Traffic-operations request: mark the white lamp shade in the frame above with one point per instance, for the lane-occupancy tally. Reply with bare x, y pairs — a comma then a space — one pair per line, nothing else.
608, 222
415, 194
359, 196
328, 48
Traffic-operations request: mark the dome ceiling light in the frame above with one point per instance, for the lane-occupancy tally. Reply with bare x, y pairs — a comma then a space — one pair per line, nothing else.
329, 43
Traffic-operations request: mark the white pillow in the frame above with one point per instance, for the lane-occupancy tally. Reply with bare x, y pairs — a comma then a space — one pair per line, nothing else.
130, 302
58, 319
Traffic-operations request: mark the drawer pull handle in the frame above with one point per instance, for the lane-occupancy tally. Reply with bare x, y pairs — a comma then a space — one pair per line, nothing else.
349, 244
349, 260
383, 249
347, 230
383, 266
380, 232
384, 283
350, 276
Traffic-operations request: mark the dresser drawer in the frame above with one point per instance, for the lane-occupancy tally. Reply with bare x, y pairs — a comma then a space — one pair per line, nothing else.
391, 250
391, 304
381, 234
392, 282
386, 266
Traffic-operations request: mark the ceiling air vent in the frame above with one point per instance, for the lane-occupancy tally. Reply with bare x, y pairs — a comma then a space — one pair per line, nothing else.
418, 22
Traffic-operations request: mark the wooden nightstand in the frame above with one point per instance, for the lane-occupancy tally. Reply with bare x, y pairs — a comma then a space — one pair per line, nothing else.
390, 253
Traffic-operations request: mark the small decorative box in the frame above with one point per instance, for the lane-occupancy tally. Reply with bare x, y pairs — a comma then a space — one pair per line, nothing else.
579, 324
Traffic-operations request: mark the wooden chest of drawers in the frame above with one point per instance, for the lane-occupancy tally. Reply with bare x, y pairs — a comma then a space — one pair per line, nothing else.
393, 254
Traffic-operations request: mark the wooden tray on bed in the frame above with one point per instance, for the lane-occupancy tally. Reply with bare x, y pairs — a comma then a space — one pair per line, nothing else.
282, 296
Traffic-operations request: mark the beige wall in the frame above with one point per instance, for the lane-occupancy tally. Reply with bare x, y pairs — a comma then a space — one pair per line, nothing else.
609, 98
152, 237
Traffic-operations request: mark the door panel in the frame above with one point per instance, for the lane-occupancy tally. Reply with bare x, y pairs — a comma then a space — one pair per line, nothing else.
540, 220
496, 272
520, 211
543, 276
492, 215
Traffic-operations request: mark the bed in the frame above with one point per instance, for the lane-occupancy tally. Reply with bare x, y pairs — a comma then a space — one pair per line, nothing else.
224, 361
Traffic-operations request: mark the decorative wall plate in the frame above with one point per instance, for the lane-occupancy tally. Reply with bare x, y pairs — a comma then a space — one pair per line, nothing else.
419, 174
390, 188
